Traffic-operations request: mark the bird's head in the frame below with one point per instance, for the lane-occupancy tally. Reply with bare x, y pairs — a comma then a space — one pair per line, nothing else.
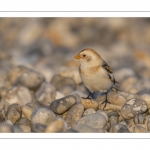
88, 56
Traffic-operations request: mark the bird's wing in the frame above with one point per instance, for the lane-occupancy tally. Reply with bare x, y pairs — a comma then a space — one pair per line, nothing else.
109, 72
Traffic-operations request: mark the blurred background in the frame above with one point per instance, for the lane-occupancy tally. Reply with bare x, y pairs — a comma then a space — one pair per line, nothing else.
48, 45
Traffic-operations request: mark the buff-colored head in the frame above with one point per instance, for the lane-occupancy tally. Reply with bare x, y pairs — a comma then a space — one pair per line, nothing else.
89, 56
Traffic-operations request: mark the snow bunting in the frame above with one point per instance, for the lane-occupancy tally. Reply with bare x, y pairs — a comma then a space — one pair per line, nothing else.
95, 73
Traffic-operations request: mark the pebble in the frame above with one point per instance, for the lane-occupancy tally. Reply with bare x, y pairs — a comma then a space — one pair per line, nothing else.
139, 129
23, 121
5, 129
113, 118
60, 106
42, 115
30, 79
89, 111
145, 95
25, 129
59, 81
116, 99
55, 127
96, 120
88, 103
74, 114
82, 128
118, 128
16, 129
18, 94
133, 107
28, 109
14, 113
46, 94
139, 119
38, 128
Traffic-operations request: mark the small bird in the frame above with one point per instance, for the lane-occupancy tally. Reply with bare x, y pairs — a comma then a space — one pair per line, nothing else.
95, 73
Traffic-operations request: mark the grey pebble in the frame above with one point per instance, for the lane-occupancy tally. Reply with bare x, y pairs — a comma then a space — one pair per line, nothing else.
61, 105
96, 120
74, 114
42, 115
113, 117
89, 111
30, 79
38, 128
46, 94
133, 107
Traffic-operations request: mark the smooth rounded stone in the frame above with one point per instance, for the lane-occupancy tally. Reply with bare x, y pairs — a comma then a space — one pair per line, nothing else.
74, 114
139, 119
103, 113
83, 128
96, 120
145, 95
16, 129
113, 117
118, 128
46, 94
148, 124
23, 121
59, 81
116, 99
42, 115
2, 115
28, 109
59, 95
38, 128
61, 105
139, 129
89, 111
13, 113
3, 93
54, 127
25, 129
88, 103
30, 79
66, 90
18, 94
71, 72
133, 107
5, 129
16, 72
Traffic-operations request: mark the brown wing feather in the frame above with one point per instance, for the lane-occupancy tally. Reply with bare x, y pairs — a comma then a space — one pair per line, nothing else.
109, 72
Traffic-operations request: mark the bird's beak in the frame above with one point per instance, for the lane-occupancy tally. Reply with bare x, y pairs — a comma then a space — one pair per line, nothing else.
77, 56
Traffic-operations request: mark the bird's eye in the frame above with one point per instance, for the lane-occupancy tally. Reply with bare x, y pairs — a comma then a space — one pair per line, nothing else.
84, 55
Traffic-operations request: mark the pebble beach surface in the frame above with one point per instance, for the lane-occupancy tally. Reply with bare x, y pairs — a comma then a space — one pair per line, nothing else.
40, 87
